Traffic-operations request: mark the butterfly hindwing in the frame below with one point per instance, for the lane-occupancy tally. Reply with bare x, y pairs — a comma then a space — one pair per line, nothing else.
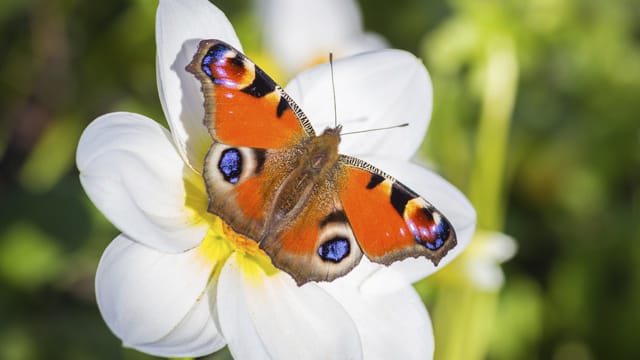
319, 245
389, 220
241, 183
243, 105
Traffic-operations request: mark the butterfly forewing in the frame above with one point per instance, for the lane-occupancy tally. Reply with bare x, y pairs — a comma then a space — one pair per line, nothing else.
390, 221
254, 126
243, 105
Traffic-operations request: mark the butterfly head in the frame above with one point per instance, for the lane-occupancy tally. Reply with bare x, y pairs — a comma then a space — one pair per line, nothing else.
323, 150
331, 137
333, 131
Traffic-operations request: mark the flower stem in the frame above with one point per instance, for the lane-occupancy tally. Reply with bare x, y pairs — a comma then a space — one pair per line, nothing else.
487, 178
465, 314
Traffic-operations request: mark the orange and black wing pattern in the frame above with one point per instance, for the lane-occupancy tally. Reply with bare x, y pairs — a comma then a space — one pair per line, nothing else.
318, 245
243, 105
389, 220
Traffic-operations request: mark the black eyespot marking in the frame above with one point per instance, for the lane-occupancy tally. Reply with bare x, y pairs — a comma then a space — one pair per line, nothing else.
336, 216
334, 250
283, 105
237, 61
261, 85
261, 156
375, 181
230, 165
400, 197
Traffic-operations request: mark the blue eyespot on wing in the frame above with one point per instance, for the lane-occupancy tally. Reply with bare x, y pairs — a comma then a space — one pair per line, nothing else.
230, 165
334, 250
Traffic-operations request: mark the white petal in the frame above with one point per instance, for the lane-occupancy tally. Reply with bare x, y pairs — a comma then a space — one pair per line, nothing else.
484, 274
271, 317
445, 197
180, 25
298, 32
157, 302
498, 247
373, 90
489, 249
364, 42
133, 174
392, 324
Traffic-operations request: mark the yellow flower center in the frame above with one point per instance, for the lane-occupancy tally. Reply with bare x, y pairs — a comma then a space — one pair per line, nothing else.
221, 241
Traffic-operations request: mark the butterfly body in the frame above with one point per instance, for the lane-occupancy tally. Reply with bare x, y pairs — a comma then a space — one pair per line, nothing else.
314, 211
314, 165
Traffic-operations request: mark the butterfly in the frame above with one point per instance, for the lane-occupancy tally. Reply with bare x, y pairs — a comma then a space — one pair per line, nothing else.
314, 212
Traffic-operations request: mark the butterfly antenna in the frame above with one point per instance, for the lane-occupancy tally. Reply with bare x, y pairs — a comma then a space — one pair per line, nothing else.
333, 88
335, 107
376, 129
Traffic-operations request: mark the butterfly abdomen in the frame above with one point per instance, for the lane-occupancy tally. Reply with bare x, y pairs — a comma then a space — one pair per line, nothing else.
317, 160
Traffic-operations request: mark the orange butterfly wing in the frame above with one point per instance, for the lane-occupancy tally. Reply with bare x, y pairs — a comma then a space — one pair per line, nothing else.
390, 221
243, 105
319, 244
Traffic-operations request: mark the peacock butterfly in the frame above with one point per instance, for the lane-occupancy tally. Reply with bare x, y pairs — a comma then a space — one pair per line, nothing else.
314, 211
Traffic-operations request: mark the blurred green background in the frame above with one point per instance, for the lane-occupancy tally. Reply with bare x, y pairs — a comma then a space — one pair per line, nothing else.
536, 119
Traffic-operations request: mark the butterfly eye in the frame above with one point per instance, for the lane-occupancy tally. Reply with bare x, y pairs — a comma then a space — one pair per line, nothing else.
334, 250
230, 165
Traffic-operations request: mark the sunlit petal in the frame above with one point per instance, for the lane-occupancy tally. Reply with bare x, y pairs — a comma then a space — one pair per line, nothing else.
482, 262
196, 335
364, 42
180, 25
392, 324
373, 90
271, 314
299, 32
156, 302
134, 175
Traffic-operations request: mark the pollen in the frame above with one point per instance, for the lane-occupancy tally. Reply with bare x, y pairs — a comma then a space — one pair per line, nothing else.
253, 261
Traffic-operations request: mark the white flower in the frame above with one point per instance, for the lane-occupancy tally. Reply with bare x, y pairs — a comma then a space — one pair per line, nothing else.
176, 282
483, 258
301, 33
